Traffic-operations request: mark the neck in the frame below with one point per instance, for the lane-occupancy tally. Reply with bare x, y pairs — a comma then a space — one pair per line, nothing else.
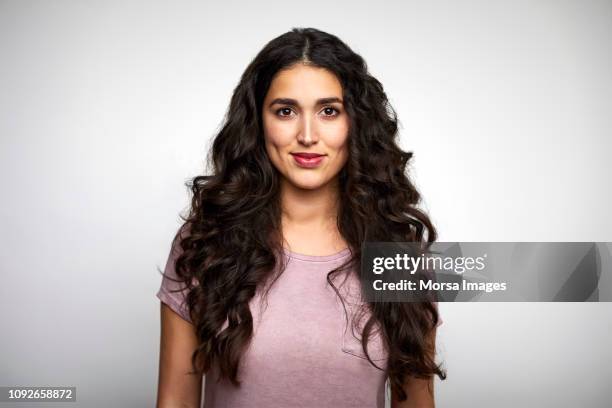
318, 207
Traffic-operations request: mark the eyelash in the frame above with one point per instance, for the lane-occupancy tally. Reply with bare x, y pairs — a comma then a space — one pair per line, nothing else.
327, 107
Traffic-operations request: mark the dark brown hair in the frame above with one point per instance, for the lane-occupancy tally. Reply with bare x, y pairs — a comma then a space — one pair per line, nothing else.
230, 241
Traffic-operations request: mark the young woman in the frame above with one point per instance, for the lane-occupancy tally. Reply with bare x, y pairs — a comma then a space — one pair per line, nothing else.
261, 288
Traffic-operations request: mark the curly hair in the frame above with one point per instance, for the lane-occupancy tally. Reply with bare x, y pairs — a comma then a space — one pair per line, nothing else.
231, 238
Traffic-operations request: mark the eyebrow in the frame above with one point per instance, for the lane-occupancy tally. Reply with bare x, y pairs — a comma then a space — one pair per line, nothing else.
293, 102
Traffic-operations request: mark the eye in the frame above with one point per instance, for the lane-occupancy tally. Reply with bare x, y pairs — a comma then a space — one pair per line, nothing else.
284, 112
330, 111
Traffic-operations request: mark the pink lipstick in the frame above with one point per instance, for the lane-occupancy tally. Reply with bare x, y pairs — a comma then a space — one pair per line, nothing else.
308, 160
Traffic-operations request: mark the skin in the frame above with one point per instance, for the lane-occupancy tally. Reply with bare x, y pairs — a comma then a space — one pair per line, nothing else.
175, 388
308, 196
309, 199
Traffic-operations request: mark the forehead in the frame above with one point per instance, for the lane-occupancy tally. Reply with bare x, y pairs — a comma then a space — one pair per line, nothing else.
305, 83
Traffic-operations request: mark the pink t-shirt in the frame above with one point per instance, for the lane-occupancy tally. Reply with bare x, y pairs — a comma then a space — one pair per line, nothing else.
302, 353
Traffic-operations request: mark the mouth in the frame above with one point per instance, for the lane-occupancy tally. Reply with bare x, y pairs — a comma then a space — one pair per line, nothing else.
308, 160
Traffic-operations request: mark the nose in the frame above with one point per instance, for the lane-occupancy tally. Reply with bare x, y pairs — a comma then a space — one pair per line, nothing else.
307, 132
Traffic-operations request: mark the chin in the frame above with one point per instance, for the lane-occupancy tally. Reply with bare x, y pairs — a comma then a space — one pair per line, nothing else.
311, 186
306, 184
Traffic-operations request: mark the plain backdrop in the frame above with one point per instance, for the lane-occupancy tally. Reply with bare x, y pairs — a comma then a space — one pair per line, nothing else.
108, 107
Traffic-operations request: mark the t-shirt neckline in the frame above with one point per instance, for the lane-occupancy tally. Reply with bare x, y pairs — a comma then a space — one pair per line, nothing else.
317, 258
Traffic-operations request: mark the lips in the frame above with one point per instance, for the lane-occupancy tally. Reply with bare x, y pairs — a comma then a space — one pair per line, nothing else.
308, 160
307, 155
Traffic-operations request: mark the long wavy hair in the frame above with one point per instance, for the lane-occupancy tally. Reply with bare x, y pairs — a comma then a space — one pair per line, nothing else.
231, 238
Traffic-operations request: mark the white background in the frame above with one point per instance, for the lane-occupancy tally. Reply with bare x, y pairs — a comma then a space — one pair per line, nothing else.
107, 108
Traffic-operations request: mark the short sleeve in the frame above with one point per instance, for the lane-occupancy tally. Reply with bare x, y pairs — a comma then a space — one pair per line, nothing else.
167, 293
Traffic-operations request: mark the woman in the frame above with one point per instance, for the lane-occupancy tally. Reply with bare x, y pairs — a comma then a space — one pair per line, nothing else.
261, 288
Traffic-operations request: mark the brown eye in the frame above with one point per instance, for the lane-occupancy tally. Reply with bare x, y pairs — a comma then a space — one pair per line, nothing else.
330, 111
283, 112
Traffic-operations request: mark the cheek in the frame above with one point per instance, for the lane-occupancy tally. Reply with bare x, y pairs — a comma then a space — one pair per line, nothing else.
278, 138
341, 141
277, 133
338, 137
343, 155
338, 133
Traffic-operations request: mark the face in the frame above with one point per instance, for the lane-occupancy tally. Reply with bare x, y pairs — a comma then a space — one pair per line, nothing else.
305, 126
